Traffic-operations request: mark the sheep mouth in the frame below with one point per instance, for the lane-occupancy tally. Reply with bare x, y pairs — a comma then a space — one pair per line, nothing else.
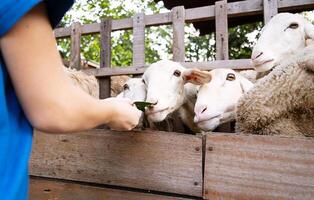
156, 111
262, 62
265, 65
208, 119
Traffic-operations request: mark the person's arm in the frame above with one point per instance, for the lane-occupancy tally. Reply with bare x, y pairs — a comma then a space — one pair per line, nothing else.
51, 102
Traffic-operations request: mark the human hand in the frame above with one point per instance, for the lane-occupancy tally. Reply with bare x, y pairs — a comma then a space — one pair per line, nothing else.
124, 115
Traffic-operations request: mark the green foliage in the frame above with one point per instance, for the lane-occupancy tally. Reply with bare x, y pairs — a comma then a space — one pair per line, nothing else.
239, 45
121, 52
158, 40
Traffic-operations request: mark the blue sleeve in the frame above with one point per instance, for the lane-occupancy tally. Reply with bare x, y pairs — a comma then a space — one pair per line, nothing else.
11, 11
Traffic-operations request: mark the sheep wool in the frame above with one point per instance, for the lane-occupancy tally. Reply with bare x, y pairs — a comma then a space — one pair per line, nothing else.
87, 83
281, 102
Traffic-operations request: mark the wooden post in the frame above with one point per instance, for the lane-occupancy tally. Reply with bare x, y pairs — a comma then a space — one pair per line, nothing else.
178, 21
222, 43
105, 57
139, 40
75, 57
221, 19
270, 9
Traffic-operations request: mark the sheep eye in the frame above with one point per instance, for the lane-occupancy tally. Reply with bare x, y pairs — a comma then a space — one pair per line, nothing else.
143, 81
230, 77
126, 87
294, 25
177, 73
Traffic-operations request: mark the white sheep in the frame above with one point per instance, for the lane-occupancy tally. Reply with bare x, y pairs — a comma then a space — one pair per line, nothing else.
86, 82
217, 99
283, 101
167, 86
134, 89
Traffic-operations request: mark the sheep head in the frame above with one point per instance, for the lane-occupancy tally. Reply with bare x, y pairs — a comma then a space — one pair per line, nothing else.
216, 100
281, 37
134, 89
165, 82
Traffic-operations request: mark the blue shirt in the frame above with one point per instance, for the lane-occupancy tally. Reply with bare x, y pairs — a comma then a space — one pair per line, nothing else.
15, 130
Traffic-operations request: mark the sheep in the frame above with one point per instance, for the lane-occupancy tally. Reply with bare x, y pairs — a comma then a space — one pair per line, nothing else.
217, 99
282, 102
86, 82
167, 84
117, 83
134, 89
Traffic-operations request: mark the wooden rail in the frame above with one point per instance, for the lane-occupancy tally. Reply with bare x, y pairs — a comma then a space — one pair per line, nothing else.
159, 161
236, 9
41, 189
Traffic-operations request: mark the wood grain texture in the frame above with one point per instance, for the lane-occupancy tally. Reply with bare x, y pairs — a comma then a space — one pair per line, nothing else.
105, 57
258, 167
75, 57
233, 64
139, 39
221, 20
41, 189
235, 9
270, 9
178, 47
159, 161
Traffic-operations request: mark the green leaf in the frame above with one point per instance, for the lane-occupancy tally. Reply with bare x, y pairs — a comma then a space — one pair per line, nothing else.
141, 105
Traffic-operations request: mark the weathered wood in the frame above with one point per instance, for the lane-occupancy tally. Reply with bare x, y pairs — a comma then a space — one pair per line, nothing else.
270, 9
235, 9
221, 20
234, 64
105, 57
75, 57
258, 167
139, 40
178, 48
41, 189
167, 162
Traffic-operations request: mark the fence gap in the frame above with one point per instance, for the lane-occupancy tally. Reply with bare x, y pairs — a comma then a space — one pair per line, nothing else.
178, 21
270, 9
75, 57
221, 20
105, 57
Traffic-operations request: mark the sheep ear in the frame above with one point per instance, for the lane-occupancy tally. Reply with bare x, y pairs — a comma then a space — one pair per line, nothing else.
196, 76
309, 30
246, 85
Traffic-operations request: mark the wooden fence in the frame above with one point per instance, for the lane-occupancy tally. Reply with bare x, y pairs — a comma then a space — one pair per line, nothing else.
220, 12
160, 165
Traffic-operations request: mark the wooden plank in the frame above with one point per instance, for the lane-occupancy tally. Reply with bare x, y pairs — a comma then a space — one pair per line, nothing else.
41, 189
222, 43
75, 57
270, 9
178, 48
159, 161
105, 57
208, 65
139, 40
258, 167
235, 9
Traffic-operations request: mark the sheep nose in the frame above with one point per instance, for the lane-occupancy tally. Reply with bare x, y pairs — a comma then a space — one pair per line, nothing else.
199, 114
204, 109
256, 54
